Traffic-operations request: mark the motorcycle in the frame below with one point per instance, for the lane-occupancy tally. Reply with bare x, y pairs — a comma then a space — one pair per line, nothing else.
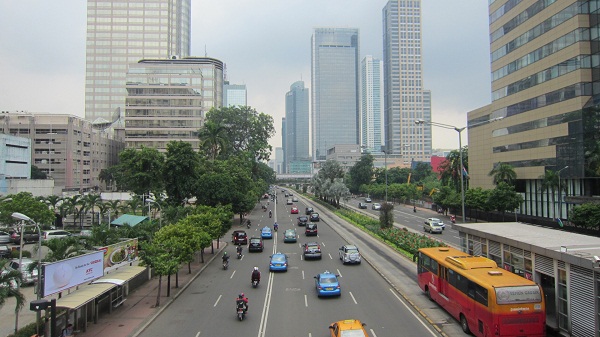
248, 224
270, 214
239, 255
241, 313
255, 283
453, 219
275, 228
225, 264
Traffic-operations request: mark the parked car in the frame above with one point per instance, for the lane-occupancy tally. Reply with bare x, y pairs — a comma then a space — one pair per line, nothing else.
349, 254
4, 237
15, 237
5, 252
255, 245
279, 262
314, 217
312, 250
362, 205
239, 237
432, 227
55, 234
376, 206
438, 221
302, 220
348, 327
29, 277
266, 233
308, 210
327, 284
85, 233
289, 235
311, 229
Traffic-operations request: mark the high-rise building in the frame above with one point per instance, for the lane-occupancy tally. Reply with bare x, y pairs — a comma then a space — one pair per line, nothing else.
297, 128
283, 144
546, 89
122, 32
404, 101
334, 88
234, 95
167, 100
371, 112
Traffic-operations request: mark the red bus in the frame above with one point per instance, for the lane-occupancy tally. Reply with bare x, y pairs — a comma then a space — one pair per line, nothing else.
487, 300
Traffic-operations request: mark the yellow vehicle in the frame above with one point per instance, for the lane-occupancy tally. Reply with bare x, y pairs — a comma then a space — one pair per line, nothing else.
348, 328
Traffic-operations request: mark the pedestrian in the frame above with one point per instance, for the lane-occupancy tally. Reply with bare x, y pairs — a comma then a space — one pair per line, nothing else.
68, 331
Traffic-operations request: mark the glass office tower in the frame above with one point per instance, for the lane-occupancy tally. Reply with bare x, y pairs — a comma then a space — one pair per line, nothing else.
122, 32
403, 81
234, 95
334, 89
297, 129
371, 91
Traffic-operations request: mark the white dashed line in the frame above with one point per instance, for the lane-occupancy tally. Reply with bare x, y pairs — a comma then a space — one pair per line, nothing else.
354, 299
217, 302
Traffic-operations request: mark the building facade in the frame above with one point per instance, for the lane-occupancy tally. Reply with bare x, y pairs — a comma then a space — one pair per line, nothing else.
345, 154
297, 129
167, 100
122, 32
334, 88
234, 95
405, 100
69, 149
545, 87
283, 144
371, 104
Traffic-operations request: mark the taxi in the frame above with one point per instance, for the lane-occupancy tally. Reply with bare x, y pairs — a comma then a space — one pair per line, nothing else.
348, 328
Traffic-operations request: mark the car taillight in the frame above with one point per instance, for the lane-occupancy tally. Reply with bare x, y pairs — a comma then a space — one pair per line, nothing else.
338, 287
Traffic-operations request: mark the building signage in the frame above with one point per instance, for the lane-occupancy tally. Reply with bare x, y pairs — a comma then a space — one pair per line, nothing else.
62, 275
120, 254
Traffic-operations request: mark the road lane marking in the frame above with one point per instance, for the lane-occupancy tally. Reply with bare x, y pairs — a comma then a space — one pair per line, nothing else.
331, 258
232, 275
340, 274
373, 333
265, 313
198, 334
415, 315
323, 244
354, 299
305, 301
303, 274
217, 302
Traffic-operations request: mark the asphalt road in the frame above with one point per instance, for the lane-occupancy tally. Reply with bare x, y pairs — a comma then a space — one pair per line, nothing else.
285, 303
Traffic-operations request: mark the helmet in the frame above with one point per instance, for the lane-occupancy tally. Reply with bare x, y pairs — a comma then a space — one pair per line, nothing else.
225, 253
255, 268
242, 295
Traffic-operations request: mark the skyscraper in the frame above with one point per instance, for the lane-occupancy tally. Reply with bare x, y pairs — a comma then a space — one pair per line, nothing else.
283, 144
403, 81
371, 91
334, 88
234, 95
297, 128
122, 32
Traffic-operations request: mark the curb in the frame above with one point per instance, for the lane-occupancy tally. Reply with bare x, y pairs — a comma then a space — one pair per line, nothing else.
163, 308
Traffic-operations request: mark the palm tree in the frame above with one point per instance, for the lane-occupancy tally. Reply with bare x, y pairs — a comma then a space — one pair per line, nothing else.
212, 138
135, 203
61, 249
503, 172
8, 281
90, 202
550, 181
53, 201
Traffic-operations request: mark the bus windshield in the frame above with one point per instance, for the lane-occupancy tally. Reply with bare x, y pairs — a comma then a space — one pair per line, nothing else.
518, 294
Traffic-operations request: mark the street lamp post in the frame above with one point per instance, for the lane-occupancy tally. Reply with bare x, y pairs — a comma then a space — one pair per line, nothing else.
24, 218
460, 152
560, 193
152, 201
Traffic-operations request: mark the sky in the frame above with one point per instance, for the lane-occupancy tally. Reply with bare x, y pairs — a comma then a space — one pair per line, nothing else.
265, 45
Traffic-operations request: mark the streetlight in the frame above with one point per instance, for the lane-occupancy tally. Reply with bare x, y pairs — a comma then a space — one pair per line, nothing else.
560, 193
24, 218
460, 152
152, 201
384, 150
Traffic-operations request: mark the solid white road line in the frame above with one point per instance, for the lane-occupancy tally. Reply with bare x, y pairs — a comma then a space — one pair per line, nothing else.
305, 301
265, 313
354, 299
217, 302
412, 312
232, 275
339, 272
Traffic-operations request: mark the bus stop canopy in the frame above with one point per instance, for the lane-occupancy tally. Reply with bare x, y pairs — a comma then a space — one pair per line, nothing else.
81, 297
129, 219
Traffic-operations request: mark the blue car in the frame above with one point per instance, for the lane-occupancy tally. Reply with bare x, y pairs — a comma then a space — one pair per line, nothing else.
327, 284
266, 233
279, 262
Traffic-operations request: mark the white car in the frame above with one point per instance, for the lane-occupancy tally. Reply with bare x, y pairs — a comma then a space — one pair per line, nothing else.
376, 206
433, 227
349, 254
55, 234
440, 222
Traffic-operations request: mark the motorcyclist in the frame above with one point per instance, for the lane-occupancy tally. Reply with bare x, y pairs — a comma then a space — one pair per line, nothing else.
415, 209
225, 258
239, 250
270, 214
242, 300
275, 226
255, 274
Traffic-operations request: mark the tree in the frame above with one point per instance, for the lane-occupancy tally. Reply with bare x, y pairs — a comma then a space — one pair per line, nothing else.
208, 222
25, 203
8, 281
504, 198
586, 216
141, 170
450, 168
61, 249
361, 173
448, 198
386, 215
213, 138
477, 198
550, 181
90, 202
160, 259
180, 171
247, 131
336, 191
108, 176
331, 170
36, 173
503, 172
420, 172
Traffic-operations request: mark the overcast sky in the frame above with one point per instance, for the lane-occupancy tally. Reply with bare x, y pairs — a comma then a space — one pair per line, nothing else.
264, 43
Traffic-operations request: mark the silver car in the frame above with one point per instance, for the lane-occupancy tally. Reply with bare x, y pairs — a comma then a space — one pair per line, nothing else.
29, 277
4, 237
433, 227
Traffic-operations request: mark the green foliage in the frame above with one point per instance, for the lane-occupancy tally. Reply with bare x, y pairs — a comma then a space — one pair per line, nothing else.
386, 215
477, 198
503, 172
421, 171
181, 167
29, 330
448, 198
331, 170
64, 248
182, 240
361, 173
25, 203
36, 173
504, 198
141, 170
8, 282
586, 216
450, 168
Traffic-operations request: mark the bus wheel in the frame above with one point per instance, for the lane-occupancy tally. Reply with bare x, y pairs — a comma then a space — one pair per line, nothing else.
464, 324
428, 293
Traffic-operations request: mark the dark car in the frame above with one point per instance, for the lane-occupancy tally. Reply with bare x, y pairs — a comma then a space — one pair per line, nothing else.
314, 217
308, 211
5, 252
312, 250
311, 229
255, 245
302, 220
362, 205
15, 237
239, 237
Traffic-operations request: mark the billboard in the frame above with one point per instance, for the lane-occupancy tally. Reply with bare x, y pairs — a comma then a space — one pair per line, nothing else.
120, 253
62, 275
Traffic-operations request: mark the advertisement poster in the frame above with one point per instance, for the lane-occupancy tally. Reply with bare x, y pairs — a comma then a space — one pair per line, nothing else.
120, 254
69, 273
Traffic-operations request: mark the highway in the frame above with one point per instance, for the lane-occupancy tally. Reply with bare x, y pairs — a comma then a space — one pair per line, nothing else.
285, 303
